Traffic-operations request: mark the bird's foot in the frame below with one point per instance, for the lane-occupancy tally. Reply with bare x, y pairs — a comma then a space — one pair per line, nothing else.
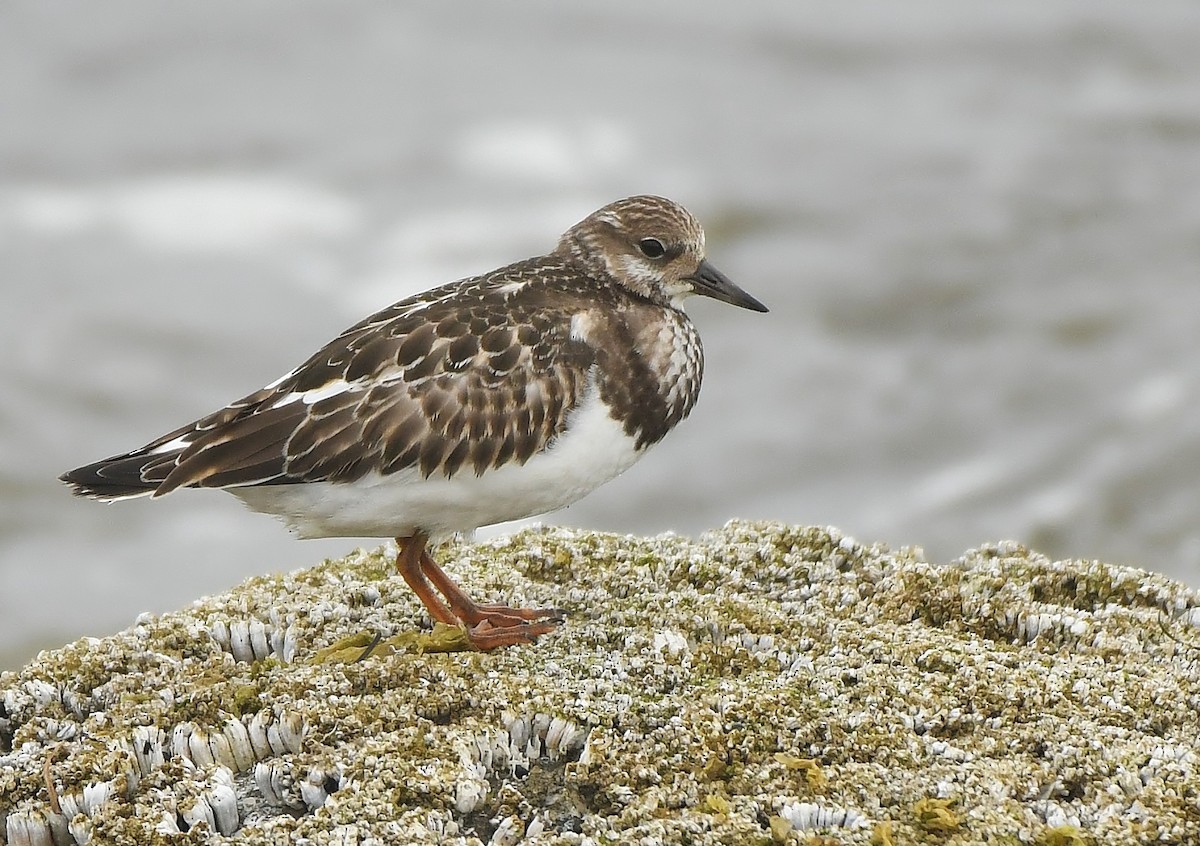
473, 614
488, 626
499, 625
491, 625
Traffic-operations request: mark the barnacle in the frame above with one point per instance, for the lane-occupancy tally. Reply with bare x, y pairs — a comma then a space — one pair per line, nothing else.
762, 679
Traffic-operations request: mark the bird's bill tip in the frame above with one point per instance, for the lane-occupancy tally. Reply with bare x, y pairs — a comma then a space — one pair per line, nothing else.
710, 282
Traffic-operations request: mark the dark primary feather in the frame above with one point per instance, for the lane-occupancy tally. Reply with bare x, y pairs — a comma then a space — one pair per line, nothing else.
425, 392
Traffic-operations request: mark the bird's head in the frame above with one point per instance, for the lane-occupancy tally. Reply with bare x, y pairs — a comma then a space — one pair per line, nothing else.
655, 248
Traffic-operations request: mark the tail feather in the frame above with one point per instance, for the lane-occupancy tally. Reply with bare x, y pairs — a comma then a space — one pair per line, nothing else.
120, 477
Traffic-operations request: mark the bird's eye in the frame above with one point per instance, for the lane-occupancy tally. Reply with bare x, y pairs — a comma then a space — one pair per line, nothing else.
652, 248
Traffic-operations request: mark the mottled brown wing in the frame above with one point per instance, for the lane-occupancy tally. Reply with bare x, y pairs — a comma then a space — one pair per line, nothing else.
469, 376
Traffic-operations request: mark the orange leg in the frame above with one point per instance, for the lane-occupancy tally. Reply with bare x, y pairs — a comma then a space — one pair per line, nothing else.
488, 626
408, 562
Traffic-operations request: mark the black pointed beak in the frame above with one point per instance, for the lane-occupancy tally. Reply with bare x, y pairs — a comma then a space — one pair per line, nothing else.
710, 282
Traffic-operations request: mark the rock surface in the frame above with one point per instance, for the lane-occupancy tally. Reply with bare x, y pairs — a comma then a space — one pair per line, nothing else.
763, 683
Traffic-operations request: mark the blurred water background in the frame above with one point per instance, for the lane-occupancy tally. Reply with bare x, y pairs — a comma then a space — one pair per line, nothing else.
977, 227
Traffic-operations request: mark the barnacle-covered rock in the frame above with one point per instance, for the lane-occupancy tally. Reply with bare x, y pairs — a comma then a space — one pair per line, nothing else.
763, 683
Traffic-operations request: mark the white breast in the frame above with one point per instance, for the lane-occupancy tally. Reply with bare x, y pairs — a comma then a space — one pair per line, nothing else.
593, 450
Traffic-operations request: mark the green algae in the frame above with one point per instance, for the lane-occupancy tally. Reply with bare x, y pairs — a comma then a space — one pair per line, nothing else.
762, 683
936, 816
1063, 835
359, 647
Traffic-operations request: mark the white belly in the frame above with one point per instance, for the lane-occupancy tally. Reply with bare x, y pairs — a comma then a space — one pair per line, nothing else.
593, 450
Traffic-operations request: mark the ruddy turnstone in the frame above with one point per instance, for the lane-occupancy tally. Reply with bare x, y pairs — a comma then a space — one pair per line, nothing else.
489, 399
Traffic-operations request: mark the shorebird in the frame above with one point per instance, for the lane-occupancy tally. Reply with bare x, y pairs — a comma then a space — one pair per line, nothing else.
489, 399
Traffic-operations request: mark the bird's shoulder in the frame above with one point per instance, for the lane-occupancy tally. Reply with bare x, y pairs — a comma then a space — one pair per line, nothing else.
475, 326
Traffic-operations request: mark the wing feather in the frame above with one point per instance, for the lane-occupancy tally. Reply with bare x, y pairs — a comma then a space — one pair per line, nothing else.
467, 377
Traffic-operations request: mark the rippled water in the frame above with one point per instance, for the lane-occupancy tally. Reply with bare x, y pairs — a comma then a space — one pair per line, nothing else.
978, 229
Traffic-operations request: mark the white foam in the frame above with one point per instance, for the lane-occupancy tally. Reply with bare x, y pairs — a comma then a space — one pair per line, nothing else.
556, 152
188, 212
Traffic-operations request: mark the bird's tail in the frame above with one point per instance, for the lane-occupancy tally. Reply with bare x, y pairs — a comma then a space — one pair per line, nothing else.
134, 474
